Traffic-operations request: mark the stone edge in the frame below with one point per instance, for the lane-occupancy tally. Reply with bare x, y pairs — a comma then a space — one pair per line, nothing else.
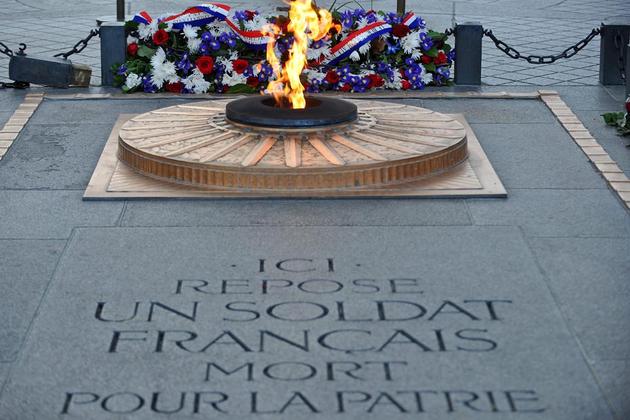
17, 121
605, 165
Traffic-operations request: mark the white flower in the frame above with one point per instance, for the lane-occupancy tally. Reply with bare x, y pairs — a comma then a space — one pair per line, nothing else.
410, 42
394, 83
193, 44
355, 56
255, 24
132, 81
233, 79
427, 78
196, 82
316, 53
162, 69
216, 28
365, 48
147, 31
132, 40
189, 32
313, 74
362, 23
227, 63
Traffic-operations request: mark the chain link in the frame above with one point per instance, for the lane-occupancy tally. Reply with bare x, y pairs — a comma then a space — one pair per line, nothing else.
541, 59
14, 85
79, 46
621, 63
449, 31
5, 50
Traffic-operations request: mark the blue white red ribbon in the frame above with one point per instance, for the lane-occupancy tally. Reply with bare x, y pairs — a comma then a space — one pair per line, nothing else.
202, 15
206, 13
356, 40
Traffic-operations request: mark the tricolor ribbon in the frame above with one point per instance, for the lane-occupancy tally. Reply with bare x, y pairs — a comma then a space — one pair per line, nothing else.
202, 15
206, 13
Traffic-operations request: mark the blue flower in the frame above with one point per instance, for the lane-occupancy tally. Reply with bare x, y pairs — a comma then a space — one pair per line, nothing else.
240, 15
214, 44
347, 19
147, 85
371, 17
392, 48
392, 18
121, 70
444, 71
382, 67
451, 55
206, 37
184, 64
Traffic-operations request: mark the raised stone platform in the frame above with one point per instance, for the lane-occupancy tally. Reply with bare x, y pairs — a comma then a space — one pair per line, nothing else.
390, 150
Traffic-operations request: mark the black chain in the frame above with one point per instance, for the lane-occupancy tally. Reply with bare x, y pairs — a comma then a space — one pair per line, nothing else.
541, 59
5, 50
14, 85
621, 63
79, 46
449, 31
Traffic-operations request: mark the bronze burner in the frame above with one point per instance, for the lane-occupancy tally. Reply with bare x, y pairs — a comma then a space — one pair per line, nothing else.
262, 111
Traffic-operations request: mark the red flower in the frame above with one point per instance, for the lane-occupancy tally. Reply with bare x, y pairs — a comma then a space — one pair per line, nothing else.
346, 88
402, 72
375, 81
628, 106
160, 37
205, 64
253, 81
174, 87
405, 84
440, 59
399, 30
240, 65
132, 49
249, 14
332, 77
425, 59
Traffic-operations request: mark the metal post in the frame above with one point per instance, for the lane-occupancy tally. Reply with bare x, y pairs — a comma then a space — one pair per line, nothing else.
113, 49
120, 10
614, 38
627, 71
468, 37
400, 7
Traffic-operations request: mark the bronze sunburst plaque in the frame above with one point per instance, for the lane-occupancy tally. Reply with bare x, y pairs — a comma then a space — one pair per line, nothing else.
389, 150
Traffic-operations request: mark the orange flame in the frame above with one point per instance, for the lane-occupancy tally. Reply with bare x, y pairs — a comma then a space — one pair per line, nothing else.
305, 23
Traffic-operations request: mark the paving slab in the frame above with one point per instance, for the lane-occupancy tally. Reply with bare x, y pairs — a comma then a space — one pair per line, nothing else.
536, 156
494, 111
102, 111
296, 213
589, 276
26, 269
294, 322
614, 378
588, 98
51, 214
553, 212
59, 156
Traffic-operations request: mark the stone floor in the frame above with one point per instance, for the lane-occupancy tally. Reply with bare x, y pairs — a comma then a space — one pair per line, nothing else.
353, 309
544, 27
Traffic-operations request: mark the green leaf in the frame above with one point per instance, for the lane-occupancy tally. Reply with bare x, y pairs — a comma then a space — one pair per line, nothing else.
430, 67
613, 118
241, 88
433, 52
144, 51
